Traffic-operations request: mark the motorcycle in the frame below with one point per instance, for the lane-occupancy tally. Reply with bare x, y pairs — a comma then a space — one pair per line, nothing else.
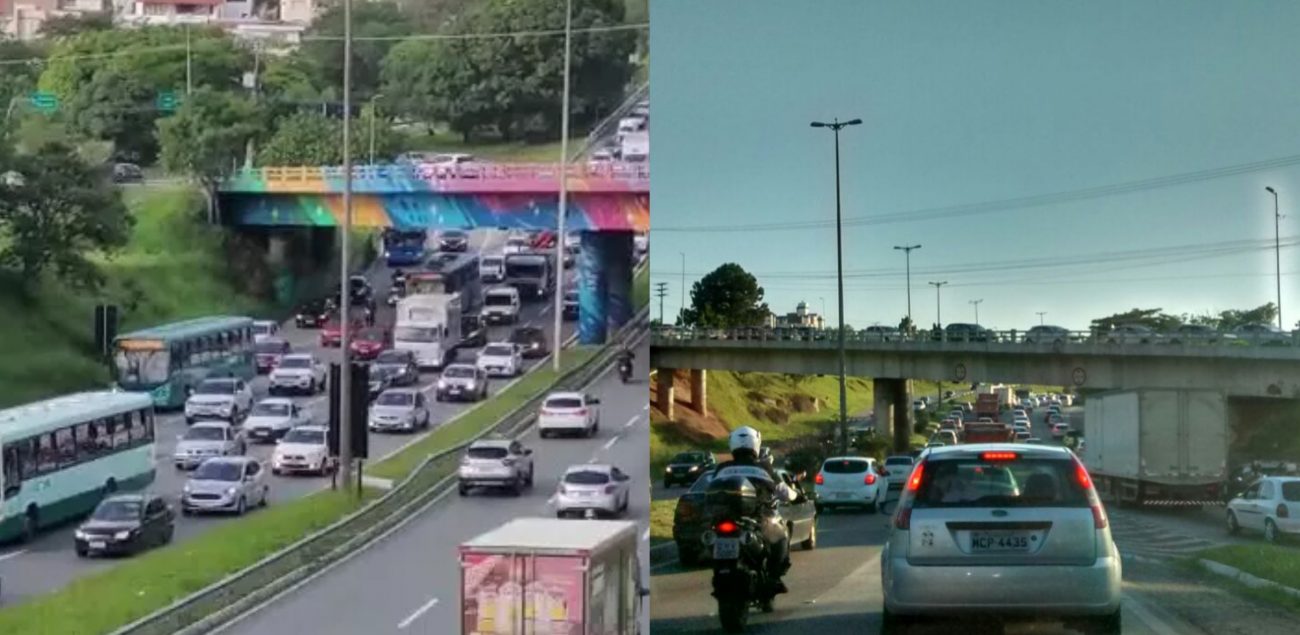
625, 370
740, 574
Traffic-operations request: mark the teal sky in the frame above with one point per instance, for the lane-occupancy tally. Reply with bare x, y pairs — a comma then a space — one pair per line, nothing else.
968, 102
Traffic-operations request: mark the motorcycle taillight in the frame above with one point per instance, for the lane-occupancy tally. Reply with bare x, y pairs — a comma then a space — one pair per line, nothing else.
727, 528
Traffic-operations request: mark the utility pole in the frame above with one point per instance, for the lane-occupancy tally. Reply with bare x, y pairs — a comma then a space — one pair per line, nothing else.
1040, 317
661, 290
682, 311
374, 113
907, 252
563, 209
836, 126
189, 63
345, 290
938, 305
976, 304
1277, 253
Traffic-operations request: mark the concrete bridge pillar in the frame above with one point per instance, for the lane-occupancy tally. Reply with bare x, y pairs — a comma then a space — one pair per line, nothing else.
664, 392
593, 292
699, 390
278, 261
902, 414
882, 391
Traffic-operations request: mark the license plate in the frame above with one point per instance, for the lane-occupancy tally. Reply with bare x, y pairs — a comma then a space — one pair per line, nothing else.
726, 549
261, 433
998, 541
97, 544
841, 495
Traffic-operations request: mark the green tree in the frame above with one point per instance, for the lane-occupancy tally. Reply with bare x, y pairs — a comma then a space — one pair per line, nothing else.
74, 24
369, 19
55, 212
288, 85
513, 86
207, 137
117, 107
1232, 318
728, 297
1151, 318
16, 80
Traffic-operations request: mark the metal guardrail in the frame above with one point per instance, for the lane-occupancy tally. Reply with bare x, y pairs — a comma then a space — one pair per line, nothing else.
473, 172
1059, 340
221, 601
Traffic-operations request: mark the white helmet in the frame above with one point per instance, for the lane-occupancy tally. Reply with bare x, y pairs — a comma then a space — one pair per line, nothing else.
746, 438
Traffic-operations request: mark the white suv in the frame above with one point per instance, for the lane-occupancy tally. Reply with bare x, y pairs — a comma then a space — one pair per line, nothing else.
569, 412
500, 359
496, 462
501, 305
850, 481
226, 398
300, 372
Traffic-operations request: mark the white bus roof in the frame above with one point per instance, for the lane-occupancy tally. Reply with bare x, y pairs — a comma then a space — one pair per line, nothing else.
553, 534
42, 416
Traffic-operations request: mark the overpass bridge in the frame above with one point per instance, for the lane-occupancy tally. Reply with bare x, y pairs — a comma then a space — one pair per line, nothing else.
607, 204
1239, 368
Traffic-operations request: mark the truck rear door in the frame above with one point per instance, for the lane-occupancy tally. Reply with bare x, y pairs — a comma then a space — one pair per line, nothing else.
522, 593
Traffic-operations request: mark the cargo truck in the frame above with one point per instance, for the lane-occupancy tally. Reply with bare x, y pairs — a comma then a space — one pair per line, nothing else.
987, 405
554, 577
1166, 446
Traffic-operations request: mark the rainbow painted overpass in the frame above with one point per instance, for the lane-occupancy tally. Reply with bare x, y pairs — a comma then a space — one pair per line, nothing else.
607, 204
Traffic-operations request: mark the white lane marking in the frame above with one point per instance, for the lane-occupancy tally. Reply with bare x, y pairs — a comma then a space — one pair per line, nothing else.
12, 554
610, 443
645, 408
418, 612
631, 422
645, 536
546, 309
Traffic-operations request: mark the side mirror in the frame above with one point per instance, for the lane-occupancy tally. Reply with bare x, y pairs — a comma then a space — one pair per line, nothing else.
593, 400
528, 451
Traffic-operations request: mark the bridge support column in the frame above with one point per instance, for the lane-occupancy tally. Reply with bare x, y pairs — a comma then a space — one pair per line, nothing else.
902, 414
278, 261
616, 263
664, 392
699, 390
593, 292
882, 394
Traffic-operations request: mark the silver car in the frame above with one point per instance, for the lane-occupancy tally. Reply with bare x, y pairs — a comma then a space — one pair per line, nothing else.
399, 409
600, 489
205, 440
225, 484
977, 525
462, 382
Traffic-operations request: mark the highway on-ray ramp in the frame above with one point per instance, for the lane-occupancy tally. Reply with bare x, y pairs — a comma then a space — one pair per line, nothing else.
49, 562
408, 581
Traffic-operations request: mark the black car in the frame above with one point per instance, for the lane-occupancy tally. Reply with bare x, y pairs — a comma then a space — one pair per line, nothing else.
961, 332
359, 292
380, 380
691, 518
125, 524
686, 467
571, 305
399, 365
531, 341
127, 173
473, 331
314, 314
453, 240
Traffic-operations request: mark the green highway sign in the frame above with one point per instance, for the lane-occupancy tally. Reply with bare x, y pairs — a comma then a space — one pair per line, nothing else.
45, 102
166, 101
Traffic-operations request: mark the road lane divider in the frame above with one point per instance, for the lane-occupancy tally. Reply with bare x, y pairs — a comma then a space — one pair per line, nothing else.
416, 615
423, 473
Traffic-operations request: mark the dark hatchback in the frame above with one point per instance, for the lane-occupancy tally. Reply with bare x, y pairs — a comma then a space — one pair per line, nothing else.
125, 524
962, 332
314, 314
453, 240
380, 380
398, 365
474, 332
571, 305
531, 341
686, 467
268, 354
690, 519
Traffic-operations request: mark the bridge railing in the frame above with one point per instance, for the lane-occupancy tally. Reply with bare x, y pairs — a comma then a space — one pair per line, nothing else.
450, 173
1056, 340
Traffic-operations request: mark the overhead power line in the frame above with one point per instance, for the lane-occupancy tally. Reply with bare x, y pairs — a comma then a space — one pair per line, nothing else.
1003, 205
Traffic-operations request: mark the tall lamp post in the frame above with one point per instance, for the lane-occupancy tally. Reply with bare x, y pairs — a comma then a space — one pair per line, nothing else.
836, 126
907, 252
976, 304
374, 114
1277, 253
563, 210
345, 291
1040, 317
938, 304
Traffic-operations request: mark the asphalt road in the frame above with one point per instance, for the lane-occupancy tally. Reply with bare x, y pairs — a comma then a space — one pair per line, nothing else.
49, 562
408, 581
836, 587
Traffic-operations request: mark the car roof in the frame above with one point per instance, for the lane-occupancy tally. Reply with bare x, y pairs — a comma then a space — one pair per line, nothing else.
315, 427
465, 366
974, 449
210, 423
899, 457
129, 497
282, 401
299, 355
565, 395
492, 443
404, 391
214, 380
848, 458
589, 467
241, 460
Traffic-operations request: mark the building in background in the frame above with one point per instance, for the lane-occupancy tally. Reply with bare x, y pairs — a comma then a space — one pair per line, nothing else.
800, 318
275, 26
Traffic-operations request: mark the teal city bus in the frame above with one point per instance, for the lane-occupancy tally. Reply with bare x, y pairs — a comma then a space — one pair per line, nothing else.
169, 361
60, 457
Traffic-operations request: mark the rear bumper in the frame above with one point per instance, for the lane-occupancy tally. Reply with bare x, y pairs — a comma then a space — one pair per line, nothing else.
959, 590
573, 424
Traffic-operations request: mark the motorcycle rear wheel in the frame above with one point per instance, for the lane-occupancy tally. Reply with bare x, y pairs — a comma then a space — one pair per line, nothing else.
734, 615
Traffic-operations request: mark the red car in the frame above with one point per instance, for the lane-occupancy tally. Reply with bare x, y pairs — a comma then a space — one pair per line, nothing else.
370, 342
544, 239
269, 353
331, 335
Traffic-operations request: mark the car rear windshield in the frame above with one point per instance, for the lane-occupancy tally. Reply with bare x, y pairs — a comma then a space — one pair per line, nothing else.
205, 433
458, 372
496, 350
1291, 491
309, 437
563, 402
295, 362
900, 460
487, 453
218, 471
271, 409
846, 466
1022, 482
586, 478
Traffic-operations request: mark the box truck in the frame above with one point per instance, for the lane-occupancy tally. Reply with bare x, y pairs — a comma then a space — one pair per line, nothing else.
1166, 446
553, 577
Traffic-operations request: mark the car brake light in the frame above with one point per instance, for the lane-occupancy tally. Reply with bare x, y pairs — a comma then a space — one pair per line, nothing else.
914, 481
508, 462
609, 489
870, 479
1099, 520
726, 527
903, 519
1282, 511
999, 456
820, 480
582, 412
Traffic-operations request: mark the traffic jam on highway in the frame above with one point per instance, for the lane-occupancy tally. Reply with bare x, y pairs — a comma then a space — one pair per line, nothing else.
1004, 515
213, 418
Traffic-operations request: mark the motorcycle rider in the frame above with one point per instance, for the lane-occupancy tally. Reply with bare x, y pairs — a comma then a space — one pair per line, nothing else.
625, 362
746, 445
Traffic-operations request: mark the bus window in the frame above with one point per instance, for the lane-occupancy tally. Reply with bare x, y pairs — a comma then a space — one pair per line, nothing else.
102, 433
143, 428
121, 431
11, 479
67, 445
87, 439
47, 454
27, 458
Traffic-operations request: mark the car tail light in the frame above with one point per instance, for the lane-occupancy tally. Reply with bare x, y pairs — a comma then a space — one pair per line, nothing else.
508, 462
820, 480
726, 528
903, 517
1084, 481
609, 489
870, 479
1282, 511
999, 456
582, 412
914, 481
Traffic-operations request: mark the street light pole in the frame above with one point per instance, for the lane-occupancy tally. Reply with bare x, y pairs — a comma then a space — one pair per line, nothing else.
564, 190
907, 252
1277, 252
682, 311
345, 295
374, 113
938, 305
976, 303
189, 63
1040, 317
836, 125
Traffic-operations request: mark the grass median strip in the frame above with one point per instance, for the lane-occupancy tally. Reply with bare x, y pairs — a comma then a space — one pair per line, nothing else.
1280, 564
661, 521
466, 426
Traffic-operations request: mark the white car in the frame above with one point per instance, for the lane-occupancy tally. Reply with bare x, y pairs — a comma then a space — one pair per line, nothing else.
569, 413
849, 481
300, 373
501, 305
496, 462
205, 440
897, 469
597, 488
1019, 413
491, 268
500, 359
399, 409
303, 449
271, 418
264, 330
515, 245
1265, 507
226, 398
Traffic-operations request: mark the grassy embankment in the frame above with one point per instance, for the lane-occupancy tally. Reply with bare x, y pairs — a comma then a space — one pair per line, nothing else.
1275, 563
